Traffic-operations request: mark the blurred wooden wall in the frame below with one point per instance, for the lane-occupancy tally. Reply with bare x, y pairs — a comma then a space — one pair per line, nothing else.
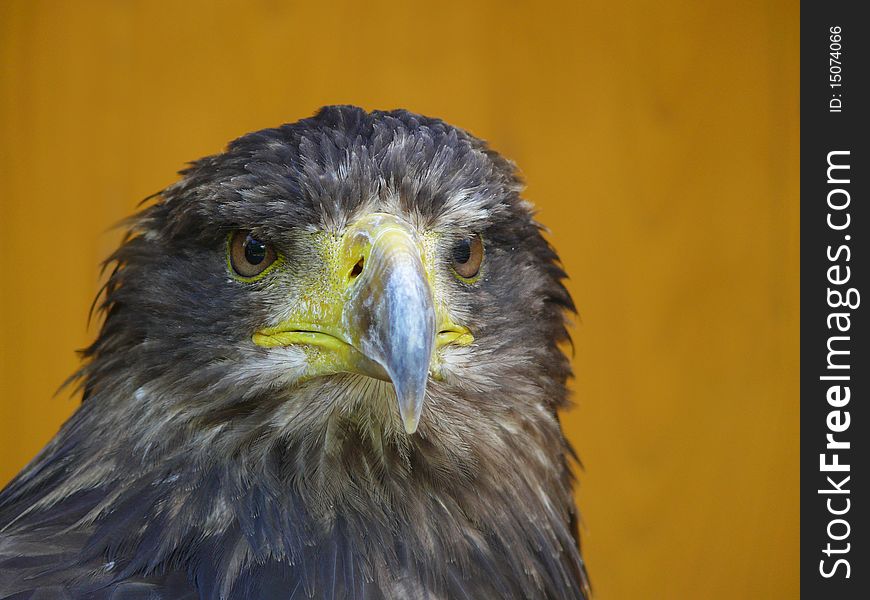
658, 138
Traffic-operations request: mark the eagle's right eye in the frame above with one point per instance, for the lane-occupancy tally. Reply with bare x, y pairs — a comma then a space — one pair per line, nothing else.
249, 258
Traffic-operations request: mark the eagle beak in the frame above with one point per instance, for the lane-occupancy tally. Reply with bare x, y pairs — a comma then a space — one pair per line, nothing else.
390, 310
374, 313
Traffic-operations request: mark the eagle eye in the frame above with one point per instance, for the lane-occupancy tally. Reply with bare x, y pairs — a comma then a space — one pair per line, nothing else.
467, 255
249, 257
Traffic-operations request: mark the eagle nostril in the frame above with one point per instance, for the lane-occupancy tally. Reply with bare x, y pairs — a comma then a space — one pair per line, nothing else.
357, 269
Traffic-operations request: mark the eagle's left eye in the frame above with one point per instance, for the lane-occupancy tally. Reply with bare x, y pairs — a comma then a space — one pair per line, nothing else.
467, 255
248, 256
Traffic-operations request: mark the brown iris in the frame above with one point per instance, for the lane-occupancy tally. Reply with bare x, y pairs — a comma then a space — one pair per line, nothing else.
250, 257
467, 255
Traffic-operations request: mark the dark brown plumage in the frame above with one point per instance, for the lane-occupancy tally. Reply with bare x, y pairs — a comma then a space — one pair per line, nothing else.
207, 463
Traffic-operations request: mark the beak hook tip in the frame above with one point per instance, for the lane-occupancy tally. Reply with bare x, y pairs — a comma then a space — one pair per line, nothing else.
411, 425
410, 413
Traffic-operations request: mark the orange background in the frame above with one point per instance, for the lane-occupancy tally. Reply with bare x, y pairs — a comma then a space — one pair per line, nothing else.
659, 140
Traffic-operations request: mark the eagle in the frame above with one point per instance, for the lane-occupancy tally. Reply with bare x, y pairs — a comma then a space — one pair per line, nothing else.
330, 365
